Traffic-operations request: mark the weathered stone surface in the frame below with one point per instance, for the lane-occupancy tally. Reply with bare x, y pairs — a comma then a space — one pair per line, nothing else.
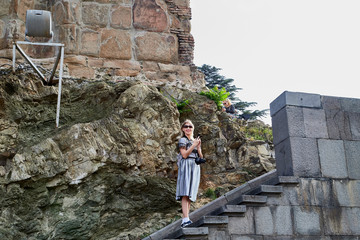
332, 158
70, 36
4, 7
94, 14
90, 43
307, 220
150, 15
315, 123
352, 152
67, 12
115, 44
120, 17
157, 47
22, 6
354, 119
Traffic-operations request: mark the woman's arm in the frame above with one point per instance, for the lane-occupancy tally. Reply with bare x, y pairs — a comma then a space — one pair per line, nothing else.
185, 153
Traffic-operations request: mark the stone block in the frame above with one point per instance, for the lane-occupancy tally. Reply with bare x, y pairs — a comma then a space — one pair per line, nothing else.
354, 119
350, 105
69, 34
288, 122
282, 220
22, 7
76, 60
122, 64
90, 42
148, 66
352, 153
150, 16
242, 225
264, 221
120, 17
332, 158
315, 192
115, 44
81, 71
315, 123
295, 99
65, 12
4, 7
240, 237
156, 47
297, 157
95, 15
341, 221
307, 221
338, 124
347, 193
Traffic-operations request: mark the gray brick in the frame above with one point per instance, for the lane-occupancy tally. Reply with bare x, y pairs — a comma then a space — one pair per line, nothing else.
347, 193
283, 158
305, 157
242, 225
350, 104
239, 237
297, 157
289, 122
307, 220
316, 193
315, 123
332, 158
341, 221
338, 124
354, 119
264, 221
282, 220
352, 153
295, 99
331, 103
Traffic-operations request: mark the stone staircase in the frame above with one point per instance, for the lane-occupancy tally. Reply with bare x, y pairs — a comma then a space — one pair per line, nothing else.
223, 218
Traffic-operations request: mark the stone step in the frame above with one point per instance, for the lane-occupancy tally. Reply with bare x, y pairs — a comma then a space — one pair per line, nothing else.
233, 210
213, 220
288, 180
195, 233
267, 190
252, 199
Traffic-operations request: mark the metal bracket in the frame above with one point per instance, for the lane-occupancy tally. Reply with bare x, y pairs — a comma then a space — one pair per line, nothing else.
60, 57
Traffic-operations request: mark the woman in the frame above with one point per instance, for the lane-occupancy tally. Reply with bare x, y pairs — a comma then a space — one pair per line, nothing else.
228, 108
188, 171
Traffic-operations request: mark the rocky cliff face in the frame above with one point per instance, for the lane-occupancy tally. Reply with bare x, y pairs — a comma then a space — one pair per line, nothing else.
109, 170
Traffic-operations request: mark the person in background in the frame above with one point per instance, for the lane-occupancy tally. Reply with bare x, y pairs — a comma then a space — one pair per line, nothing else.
188, 179
228, 107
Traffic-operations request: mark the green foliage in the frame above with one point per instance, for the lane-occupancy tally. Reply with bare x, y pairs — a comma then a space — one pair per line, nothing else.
258, 133
210, 193
214, 79
217, 95
182, 105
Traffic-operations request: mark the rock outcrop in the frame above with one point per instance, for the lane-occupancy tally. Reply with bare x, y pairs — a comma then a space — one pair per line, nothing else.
109, 171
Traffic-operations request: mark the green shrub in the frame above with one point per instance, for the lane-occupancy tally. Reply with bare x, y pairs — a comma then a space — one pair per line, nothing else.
258, 133
182, 105
210, 193
217, 95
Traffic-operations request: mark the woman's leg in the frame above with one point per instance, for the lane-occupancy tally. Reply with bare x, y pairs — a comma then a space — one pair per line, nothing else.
185, 206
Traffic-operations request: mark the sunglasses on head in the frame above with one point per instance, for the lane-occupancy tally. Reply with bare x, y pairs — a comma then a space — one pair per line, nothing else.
187, 126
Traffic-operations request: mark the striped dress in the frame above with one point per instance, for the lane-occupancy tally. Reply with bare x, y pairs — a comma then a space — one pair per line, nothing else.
188, 179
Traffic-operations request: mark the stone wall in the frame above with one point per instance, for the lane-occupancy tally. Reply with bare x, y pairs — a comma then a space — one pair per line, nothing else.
108, 39
317, 138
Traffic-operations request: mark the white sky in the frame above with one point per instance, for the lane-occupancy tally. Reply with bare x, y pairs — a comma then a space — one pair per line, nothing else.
270, 46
